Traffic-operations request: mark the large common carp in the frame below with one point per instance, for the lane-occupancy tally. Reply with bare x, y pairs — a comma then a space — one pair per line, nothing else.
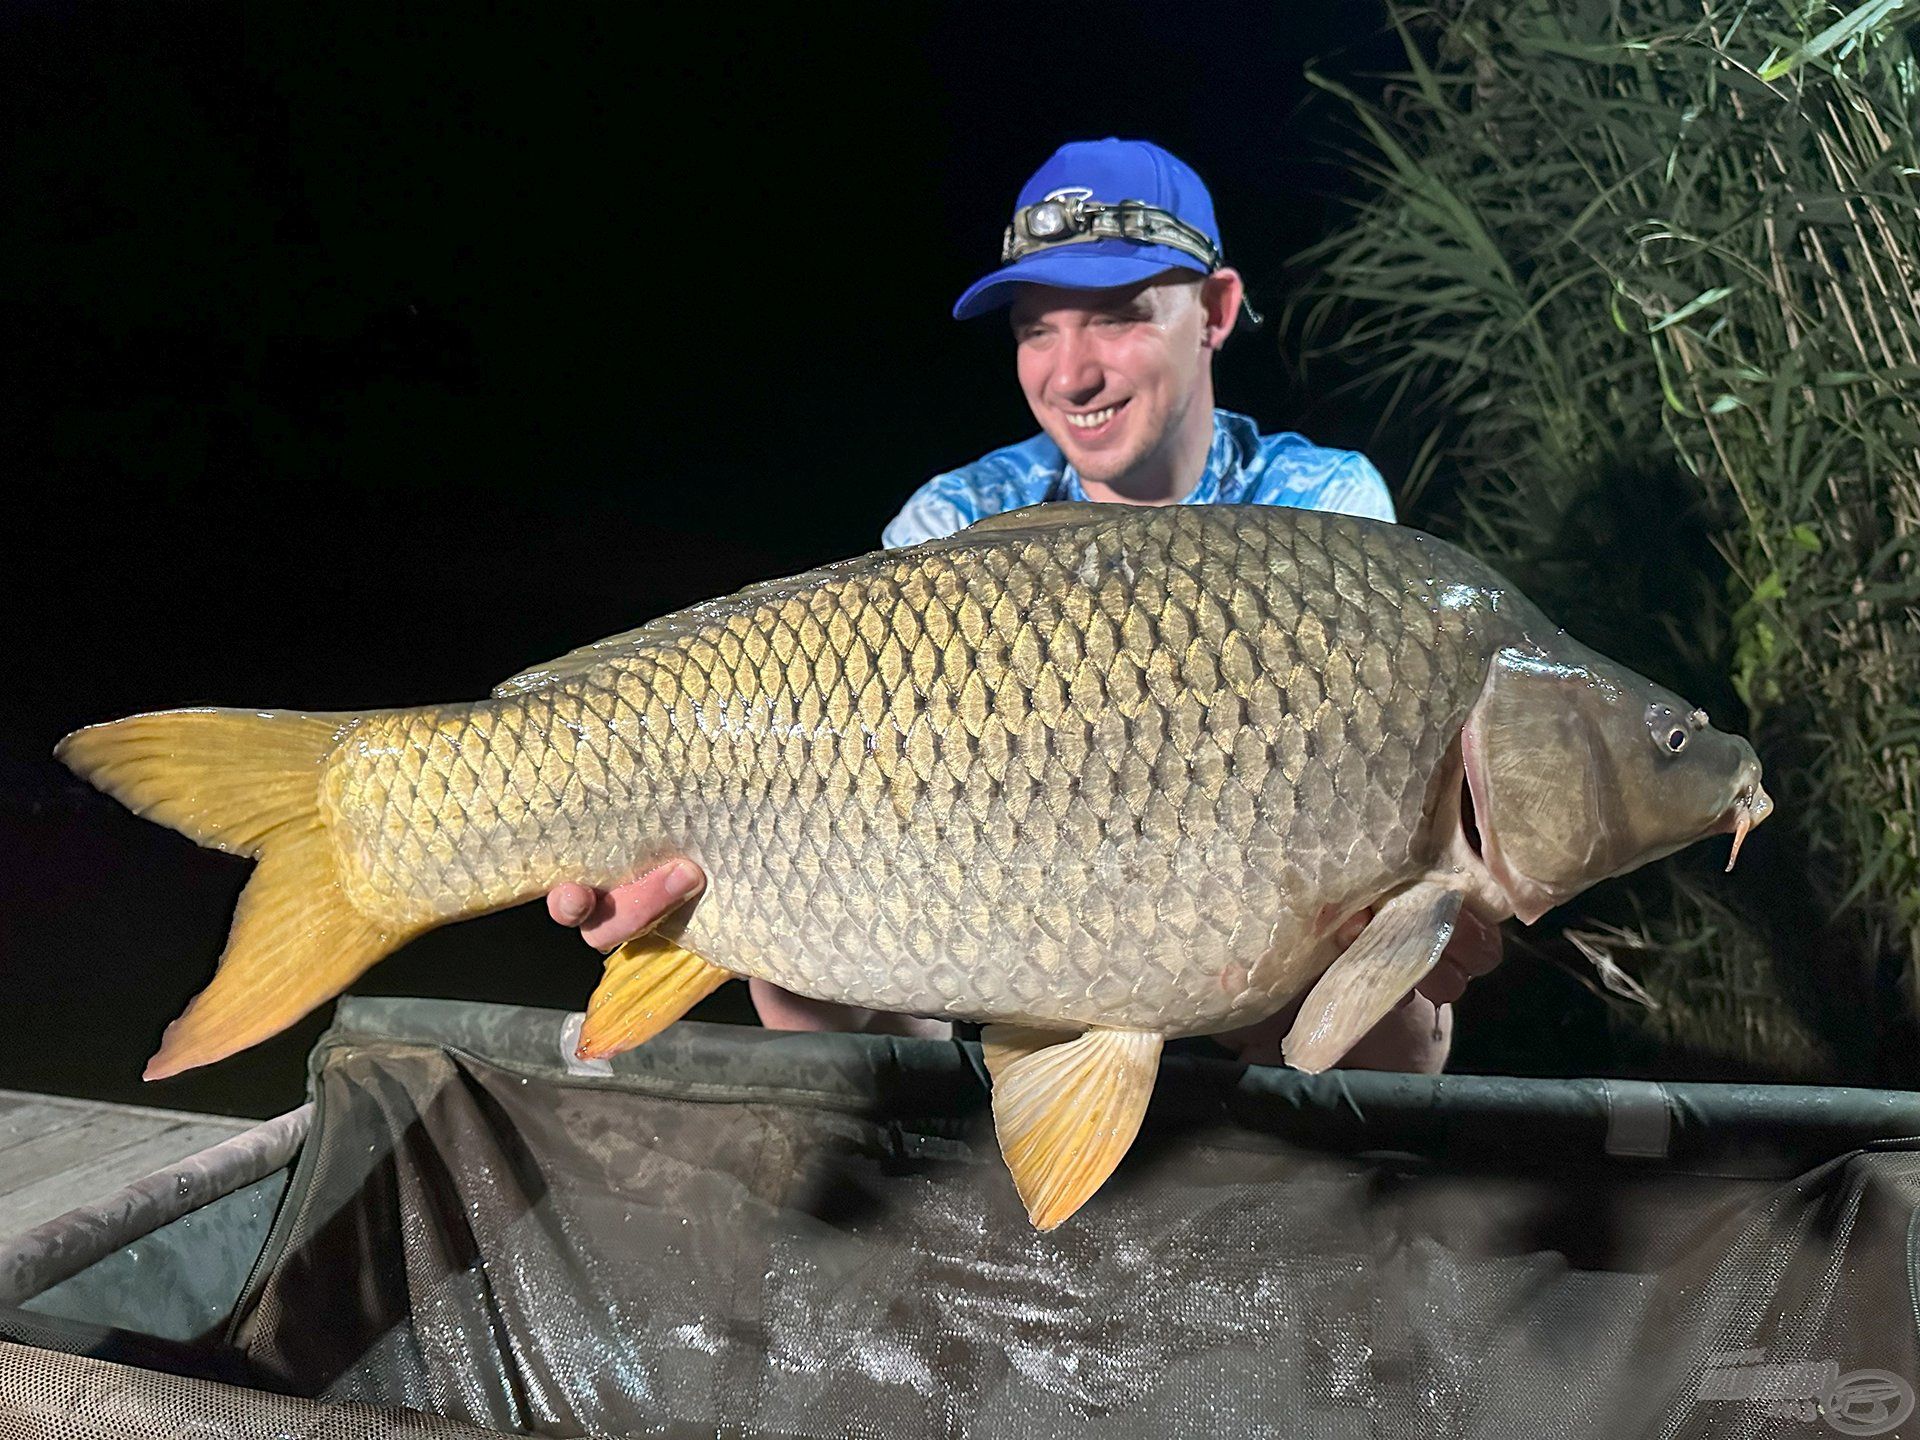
1094, 775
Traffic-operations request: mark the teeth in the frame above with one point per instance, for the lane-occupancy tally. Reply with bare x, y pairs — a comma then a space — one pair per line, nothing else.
1088, 422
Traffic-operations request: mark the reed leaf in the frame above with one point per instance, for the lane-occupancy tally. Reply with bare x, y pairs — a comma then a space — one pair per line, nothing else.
1638, 287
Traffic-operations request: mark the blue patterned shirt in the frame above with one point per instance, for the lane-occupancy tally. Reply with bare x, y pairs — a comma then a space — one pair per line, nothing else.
1244, 467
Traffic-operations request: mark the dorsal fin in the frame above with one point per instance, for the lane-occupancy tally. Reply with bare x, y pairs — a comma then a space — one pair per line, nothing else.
671, 627
1042, 517
575, 661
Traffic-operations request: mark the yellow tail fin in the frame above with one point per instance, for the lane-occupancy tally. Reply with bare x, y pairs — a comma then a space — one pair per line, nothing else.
247, 782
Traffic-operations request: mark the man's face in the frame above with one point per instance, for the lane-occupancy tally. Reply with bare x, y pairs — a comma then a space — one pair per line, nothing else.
1110, 374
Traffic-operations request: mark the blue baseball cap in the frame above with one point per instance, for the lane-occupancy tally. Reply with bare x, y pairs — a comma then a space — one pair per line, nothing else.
1105, 172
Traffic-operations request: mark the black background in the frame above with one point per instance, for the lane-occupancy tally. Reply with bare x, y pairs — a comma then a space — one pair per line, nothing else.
360, 357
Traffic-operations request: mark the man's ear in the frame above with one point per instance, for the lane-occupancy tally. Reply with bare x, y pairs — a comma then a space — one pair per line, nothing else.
1220, 297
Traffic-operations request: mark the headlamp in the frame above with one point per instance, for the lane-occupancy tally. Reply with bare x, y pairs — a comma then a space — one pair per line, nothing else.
1070, 217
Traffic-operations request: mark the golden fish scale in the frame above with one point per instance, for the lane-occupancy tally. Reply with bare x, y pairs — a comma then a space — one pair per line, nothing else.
1102, 773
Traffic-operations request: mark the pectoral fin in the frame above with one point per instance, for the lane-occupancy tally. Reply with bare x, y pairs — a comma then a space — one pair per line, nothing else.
1400, 945
1066, 1107
649, 983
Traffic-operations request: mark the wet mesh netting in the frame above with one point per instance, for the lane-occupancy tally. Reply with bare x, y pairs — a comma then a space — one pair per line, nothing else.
732, 1231
49, 1396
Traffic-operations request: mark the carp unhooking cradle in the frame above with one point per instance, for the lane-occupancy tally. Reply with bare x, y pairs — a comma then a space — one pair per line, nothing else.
1096, 776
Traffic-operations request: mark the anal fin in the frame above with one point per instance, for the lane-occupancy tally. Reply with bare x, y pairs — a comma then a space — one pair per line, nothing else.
649, 983
1066, 1108
1400, 945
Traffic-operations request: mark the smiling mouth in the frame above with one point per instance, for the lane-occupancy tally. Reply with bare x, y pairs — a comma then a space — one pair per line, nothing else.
1092, 419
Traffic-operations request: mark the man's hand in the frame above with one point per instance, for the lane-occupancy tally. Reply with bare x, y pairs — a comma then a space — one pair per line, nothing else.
606, 919
610, 918
783, 1010
1473, 951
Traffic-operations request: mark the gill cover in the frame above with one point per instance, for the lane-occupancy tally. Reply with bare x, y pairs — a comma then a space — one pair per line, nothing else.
1580, 769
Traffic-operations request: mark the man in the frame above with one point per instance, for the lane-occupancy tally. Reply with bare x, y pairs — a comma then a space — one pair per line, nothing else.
1114, 341
1119, 296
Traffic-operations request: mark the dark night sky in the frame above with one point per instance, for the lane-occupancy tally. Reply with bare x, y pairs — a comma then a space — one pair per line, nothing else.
362, 357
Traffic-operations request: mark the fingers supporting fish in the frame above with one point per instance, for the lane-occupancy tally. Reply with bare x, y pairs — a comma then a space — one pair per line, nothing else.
608, 920
1413, 1038
1476, 946
570, 904
780, 1009
1444, 984
1475, 949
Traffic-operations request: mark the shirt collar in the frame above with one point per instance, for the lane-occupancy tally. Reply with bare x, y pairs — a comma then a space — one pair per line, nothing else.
1236, 441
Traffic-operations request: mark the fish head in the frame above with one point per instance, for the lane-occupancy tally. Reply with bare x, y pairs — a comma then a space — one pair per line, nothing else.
1579, 769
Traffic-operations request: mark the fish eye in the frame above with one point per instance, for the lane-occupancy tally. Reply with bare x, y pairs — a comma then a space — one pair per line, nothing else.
1667, 730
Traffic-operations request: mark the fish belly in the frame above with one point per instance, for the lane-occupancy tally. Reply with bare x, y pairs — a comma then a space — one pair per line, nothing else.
1117, 774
